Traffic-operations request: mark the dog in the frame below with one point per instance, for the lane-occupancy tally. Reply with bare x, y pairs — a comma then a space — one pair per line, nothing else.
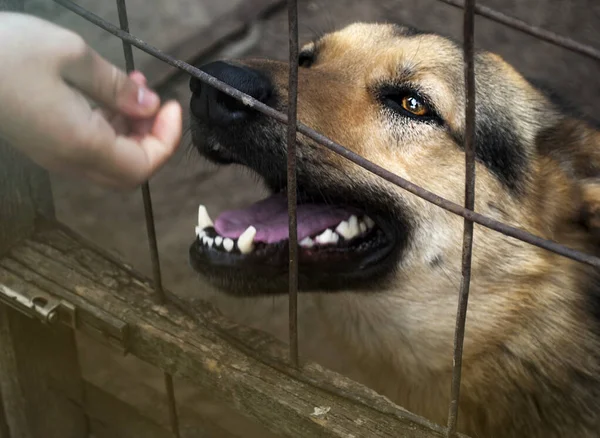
384, 266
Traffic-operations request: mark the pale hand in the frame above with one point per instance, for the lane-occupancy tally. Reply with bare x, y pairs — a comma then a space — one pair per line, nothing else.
45, 72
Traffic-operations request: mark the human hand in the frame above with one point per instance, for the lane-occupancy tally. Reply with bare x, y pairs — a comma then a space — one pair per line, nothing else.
45, 76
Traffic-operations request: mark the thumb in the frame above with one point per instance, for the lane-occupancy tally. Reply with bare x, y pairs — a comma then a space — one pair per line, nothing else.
110, 86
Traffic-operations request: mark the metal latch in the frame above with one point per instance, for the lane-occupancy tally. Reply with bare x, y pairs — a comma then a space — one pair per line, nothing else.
40, 305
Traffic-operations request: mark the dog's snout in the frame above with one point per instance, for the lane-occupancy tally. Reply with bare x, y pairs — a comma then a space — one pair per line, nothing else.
212, 105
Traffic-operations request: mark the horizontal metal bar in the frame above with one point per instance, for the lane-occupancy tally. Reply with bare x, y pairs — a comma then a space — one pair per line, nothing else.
538, 32
450, 206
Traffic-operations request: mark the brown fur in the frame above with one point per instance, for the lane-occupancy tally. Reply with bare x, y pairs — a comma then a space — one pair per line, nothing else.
531, 364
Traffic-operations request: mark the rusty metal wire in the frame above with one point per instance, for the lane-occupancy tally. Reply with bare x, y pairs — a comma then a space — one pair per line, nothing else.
538, 32
463, 299
291, 180
480, 219
151, 231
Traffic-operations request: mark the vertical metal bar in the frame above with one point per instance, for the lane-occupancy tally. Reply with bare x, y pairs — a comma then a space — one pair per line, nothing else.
291, 180
461, 314
151, 231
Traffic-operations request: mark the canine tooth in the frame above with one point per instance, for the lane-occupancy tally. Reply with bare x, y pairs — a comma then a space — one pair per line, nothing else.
245, 241
204, 219
205, 239
210, 242
307, 242
370, 222
362, 226
228, 244
218, 240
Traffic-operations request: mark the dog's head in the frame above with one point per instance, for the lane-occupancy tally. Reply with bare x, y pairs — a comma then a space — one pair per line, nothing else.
395, 96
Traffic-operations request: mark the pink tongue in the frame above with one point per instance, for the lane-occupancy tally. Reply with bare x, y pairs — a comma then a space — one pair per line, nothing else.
270, 218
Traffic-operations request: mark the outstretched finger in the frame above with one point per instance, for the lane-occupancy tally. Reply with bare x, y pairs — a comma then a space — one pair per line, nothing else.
110, 86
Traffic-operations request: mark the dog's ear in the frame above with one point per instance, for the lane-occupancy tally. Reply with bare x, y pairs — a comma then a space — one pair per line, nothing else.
575, 146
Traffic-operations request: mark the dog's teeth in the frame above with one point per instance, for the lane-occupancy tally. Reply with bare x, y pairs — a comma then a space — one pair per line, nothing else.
245, 241
210, 241
354, 229
307, 242
218, 240
228, 244
348, 229
362, 226
335, 238
343, 229
205, 239
326, 237
204, 219
370, 222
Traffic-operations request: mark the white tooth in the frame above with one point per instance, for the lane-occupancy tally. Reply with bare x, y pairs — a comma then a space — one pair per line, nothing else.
343, 229
349, 229
218, 240
307, 242
210, 242
354, 229
245, 241
205, 239
335, 238
204, 219
228, 244
362, 226
325, 237
370, 222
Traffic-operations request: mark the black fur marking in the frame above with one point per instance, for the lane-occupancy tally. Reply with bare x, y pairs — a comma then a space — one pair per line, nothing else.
499, 149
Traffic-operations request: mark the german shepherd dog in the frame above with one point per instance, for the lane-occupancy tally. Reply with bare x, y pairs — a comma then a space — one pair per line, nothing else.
383, 265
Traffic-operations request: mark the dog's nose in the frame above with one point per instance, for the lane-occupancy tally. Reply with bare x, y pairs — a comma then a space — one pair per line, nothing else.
212, 105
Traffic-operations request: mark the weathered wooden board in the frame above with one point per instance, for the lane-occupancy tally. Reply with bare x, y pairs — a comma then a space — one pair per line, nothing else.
240, 366
39, 376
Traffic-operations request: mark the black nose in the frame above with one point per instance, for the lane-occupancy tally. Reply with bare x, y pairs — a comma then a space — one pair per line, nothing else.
212, 105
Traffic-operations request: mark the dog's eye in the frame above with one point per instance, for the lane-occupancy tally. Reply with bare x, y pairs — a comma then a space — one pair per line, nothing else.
306, 59
414, 105
408, 103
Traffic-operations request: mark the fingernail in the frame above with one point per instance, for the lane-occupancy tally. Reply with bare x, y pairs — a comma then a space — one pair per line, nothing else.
146, 97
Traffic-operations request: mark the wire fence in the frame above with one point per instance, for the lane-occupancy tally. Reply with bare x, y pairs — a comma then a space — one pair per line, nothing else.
294, 126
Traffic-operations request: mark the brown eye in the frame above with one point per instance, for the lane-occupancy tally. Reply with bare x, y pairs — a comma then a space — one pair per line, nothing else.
413, 105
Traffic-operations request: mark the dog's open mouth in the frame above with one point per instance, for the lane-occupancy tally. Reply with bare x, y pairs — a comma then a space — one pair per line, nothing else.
335, 242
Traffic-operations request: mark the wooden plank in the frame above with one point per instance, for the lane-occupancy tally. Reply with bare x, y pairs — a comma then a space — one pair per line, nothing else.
112, 417
242, 367
38, 364
128, 392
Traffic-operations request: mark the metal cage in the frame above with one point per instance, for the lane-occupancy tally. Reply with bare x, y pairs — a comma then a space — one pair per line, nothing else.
466, 211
